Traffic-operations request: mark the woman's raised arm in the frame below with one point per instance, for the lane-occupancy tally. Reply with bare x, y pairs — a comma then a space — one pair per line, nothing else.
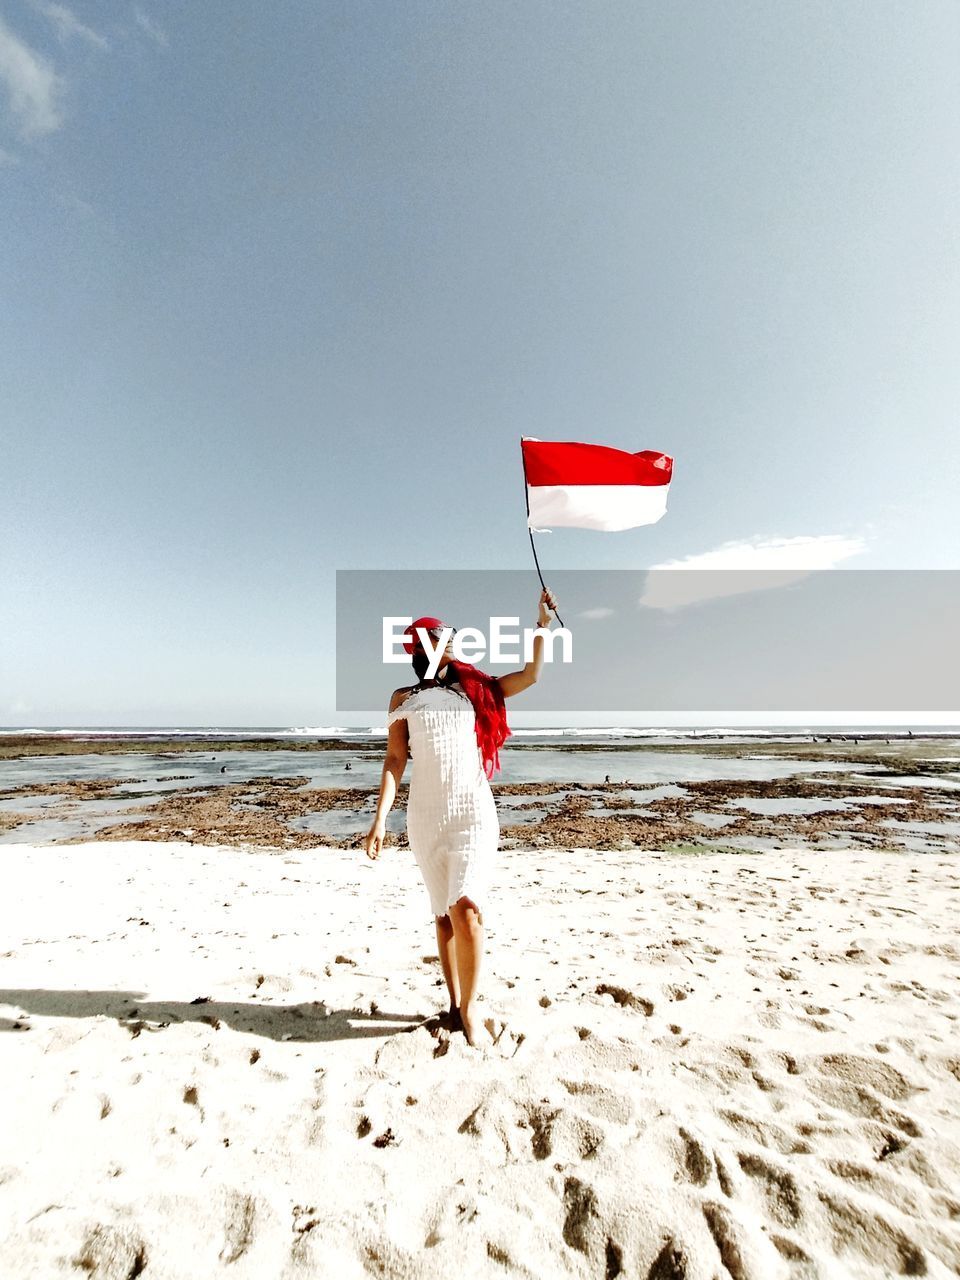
516, 681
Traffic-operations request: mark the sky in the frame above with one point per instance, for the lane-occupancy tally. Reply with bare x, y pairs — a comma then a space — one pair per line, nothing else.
282, 285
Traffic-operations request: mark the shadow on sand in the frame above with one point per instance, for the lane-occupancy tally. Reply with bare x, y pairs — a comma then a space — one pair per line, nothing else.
309, 1021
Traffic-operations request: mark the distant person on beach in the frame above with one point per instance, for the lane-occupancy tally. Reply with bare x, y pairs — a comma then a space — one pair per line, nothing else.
452, 727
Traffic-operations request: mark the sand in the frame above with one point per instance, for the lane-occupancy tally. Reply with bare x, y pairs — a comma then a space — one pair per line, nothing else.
226, 1060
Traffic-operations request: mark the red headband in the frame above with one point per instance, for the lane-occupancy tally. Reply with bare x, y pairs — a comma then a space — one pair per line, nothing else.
410, 632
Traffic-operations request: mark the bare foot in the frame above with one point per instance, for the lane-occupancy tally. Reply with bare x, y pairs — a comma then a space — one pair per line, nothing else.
476, 1031
450, 1019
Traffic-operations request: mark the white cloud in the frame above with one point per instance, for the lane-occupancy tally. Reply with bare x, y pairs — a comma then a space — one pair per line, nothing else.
599, 612
32, 85
151, 27
68, 24
730, 568
809, 552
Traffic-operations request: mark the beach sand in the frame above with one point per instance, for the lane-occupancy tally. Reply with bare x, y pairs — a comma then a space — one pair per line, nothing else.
227, 1060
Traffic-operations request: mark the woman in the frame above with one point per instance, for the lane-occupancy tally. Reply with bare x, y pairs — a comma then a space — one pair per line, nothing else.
453, 727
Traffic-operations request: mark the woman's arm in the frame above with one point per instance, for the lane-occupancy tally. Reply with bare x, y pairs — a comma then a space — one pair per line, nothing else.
395, 761
516, 681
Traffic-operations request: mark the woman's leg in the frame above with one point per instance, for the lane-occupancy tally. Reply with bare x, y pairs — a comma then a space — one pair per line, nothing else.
446, 946
468, 932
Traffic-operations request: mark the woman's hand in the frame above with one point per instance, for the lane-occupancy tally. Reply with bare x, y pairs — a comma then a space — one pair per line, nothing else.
547, 602
515, 682
375, 836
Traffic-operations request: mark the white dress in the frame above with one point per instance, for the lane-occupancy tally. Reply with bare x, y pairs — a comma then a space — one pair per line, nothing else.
452, 823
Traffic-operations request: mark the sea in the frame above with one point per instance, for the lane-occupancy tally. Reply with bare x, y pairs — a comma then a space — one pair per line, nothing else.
639, 756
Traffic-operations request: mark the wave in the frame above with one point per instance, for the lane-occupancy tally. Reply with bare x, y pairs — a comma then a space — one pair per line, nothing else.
324, 731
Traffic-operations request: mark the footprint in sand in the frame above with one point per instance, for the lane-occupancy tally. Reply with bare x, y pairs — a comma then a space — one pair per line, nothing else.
725, 1234
852, 1084
561, 1134
626, 999
454, 1210
671, 1263
584, 1228
511, 1129
111, 1253
408, 1047
616, 1108
238, 1227
790, 1251
763, 1132
675, 992
698, 1167
867, 1179
315, 1114
494, 1122
863, 1231
777, 1186
856, 1070
504, 1041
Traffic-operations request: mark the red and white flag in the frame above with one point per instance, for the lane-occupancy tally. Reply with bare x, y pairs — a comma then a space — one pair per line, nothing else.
590, 486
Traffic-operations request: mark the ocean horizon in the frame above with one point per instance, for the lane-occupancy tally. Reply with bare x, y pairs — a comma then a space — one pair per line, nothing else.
571, 732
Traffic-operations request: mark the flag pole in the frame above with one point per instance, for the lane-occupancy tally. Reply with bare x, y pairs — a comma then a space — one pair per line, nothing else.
533, 545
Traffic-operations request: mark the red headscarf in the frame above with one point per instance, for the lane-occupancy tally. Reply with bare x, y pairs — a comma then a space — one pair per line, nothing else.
485, 694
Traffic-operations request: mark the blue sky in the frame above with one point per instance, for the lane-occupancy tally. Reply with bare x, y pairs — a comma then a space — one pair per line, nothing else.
283, 284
